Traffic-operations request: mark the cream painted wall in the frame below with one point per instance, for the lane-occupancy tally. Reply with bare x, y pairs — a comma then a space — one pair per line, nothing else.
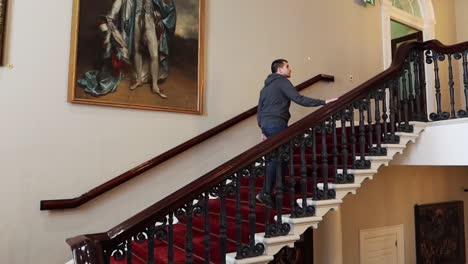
445, 31
389, 199
462, 34
440, 144
462, 20
52, 149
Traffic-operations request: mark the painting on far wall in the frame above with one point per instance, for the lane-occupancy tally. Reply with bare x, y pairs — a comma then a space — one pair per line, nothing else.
145, 54
3, 14
440, 233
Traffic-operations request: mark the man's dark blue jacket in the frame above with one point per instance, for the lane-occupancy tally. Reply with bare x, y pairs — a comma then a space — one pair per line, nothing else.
275, 99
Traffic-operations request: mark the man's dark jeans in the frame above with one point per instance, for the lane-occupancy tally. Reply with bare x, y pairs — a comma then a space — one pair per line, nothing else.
270, 180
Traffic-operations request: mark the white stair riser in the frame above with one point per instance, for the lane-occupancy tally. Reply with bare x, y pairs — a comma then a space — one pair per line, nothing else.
340, 194
418, 127
360, 178
272, 249
393, 151
274, 244
299, 225
299, 229
231, 259
405, 138
375, 164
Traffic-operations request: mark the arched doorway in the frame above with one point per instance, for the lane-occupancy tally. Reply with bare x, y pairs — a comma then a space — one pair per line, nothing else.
415, 14
418, 14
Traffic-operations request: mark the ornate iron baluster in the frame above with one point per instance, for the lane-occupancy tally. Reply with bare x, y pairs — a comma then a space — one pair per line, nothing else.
384, 110
326, 128
434, 58
151, 231
292, 180
362, 163
280, 228
405, 126
303, 172
309, 139
129, 253
344, 177
243, 173
279, 184
187, 212
314, 168
335, 146
170, 239
324, 193
391, 138
451, 88
268, 158
353, 132
252, 250
464, 113
378, 150
422, 85
206, 238
368, 109
221, 191
160, 231
399, 105
418, 114
410, 94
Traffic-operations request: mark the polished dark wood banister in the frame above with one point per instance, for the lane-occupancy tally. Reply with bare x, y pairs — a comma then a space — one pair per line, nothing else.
191, 191
109, 185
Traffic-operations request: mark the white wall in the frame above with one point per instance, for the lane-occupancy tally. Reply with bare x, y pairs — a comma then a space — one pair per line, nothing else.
462, 34
441, 144
462, 20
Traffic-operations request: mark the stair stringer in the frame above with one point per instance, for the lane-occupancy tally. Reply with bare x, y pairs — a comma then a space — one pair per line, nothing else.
299, 225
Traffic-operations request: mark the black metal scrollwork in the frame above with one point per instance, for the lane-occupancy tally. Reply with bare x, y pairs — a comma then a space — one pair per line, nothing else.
432, 57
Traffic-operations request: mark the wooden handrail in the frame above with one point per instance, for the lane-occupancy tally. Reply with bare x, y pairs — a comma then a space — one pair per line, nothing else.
111, 184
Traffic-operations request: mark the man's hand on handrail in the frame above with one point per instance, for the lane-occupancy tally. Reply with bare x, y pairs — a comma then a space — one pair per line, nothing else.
331, 100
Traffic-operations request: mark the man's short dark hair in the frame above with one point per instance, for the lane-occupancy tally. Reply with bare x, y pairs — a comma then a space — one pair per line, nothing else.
277, 64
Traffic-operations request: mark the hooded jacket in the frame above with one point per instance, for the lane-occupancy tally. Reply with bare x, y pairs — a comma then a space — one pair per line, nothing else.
275, 99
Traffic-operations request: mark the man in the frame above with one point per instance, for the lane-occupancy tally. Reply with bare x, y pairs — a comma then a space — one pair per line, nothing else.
273, 114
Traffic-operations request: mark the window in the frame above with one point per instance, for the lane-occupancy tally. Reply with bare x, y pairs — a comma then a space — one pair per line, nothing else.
409, 6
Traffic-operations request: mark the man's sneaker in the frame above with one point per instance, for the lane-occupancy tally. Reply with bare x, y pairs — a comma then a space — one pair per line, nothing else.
264, 199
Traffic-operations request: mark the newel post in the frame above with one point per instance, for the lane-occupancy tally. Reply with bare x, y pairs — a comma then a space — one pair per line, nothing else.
87, 249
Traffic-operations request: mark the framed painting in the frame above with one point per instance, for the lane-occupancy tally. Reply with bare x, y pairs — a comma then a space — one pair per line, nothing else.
145, 54
3, 14
440, 233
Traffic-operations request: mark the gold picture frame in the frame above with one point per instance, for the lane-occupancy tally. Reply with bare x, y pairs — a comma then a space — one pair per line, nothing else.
116, 45
3, 19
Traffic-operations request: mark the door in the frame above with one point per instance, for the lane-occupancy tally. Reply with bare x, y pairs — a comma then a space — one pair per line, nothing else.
382, 245
402, 33
396, 42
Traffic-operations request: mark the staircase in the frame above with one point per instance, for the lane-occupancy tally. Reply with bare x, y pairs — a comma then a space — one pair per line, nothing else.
272, 244
329, 153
